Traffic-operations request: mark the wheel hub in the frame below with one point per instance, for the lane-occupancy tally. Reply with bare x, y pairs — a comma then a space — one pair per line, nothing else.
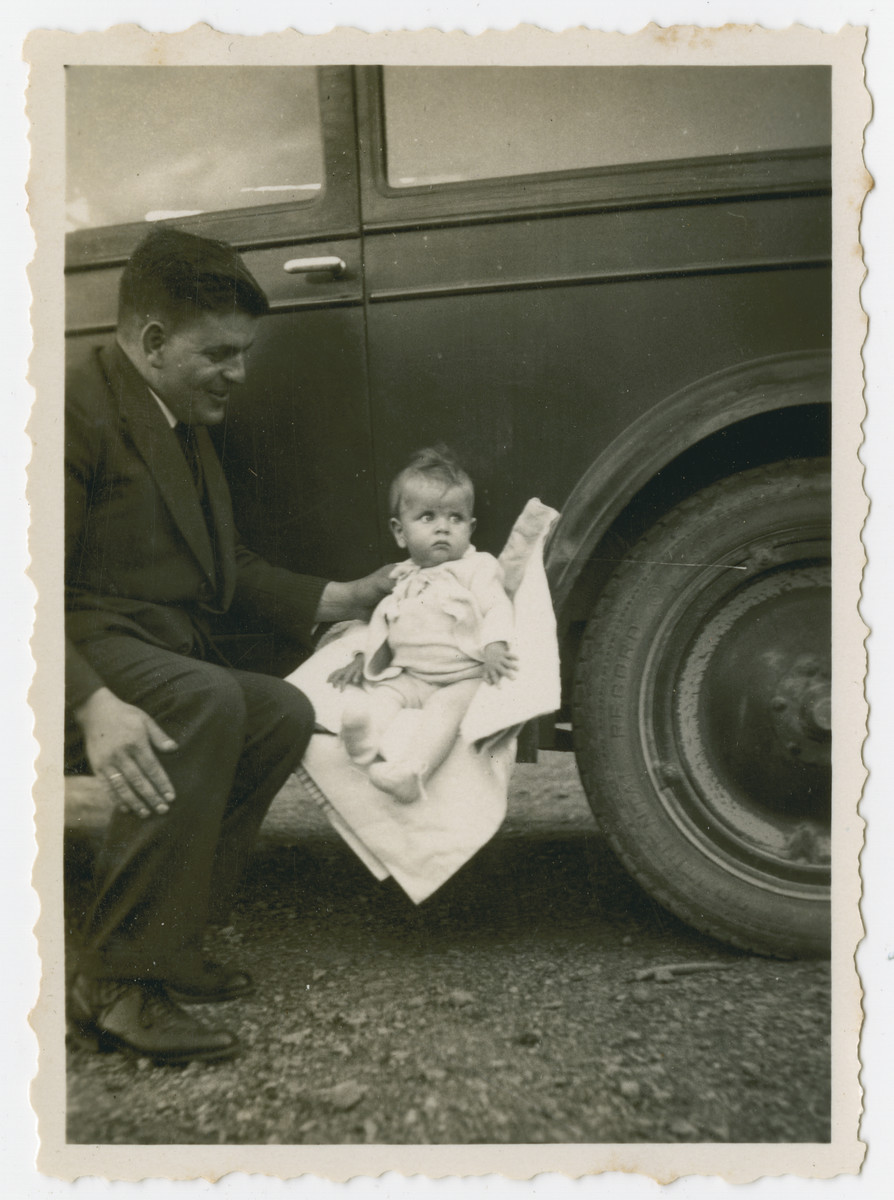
749, 728
802, 710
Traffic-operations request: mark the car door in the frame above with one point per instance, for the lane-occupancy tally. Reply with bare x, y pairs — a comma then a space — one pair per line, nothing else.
540, 278
263, 158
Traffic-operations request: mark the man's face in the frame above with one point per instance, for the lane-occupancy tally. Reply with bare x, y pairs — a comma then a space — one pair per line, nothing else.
194, 366
435, 523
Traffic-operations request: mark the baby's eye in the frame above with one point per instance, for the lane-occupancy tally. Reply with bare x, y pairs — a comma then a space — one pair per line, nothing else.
427, 516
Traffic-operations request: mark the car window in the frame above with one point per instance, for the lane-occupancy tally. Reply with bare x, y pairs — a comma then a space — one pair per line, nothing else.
453, 124
147, 143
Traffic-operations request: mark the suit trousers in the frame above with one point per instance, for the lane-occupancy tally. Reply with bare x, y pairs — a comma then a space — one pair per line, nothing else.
239, 736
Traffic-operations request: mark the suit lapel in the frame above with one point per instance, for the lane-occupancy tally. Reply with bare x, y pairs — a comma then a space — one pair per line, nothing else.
157, 445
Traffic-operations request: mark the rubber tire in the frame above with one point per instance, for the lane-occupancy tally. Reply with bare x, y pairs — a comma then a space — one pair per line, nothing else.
608, 695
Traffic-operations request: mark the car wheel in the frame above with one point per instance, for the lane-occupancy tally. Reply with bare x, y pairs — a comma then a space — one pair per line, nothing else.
702, 709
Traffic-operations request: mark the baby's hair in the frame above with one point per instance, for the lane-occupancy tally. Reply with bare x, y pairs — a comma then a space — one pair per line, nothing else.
431, 463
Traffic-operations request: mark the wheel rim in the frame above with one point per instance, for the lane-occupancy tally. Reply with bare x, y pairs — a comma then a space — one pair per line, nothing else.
735, 711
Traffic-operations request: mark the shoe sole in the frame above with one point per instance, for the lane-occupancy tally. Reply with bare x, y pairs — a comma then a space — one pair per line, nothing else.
102, 1042
209, 997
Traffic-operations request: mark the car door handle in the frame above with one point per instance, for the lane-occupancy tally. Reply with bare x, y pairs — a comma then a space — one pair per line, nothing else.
316, 266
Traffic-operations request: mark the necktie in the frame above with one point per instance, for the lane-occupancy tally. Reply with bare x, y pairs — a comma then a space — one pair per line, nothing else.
189, 444
190, 447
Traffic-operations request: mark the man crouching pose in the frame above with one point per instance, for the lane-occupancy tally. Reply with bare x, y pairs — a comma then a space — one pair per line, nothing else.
192, 751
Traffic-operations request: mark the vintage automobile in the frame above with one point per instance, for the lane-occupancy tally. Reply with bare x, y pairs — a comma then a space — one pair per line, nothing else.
607, 287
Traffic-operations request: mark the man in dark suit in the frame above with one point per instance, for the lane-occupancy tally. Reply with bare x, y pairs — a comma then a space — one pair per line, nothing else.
192, 750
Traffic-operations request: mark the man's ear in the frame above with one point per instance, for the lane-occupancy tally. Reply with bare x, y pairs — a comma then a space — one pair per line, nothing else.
397, 530
153, 341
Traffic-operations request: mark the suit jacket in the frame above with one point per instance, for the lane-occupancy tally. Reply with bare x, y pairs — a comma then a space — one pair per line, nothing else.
141, 557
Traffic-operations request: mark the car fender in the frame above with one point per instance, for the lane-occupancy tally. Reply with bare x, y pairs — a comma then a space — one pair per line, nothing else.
656, 438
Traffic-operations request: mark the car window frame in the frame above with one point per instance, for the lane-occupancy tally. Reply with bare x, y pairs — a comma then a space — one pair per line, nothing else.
333, 212
800, 171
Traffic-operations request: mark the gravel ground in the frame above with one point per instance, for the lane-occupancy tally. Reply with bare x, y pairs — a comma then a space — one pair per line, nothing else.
505, 1009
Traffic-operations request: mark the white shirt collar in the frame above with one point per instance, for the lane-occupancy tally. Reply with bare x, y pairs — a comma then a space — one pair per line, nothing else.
408, 567
169, 416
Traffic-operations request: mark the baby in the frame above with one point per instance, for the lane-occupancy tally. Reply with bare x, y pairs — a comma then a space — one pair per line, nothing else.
446, 626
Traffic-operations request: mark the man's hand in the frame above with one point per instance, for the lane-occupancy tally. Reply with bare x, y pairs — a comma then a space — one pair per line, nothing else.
355, 600
121, 743
499, 661
372, 588
349, 676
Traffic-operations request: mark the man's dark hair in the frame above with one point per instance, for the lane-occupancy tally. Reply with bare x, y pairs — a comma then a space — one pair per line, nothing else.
433, 462
179, 276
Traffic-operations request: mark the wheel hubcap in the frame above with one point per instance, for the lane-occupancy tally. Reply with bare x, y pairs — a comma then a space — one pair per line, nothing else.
737, 712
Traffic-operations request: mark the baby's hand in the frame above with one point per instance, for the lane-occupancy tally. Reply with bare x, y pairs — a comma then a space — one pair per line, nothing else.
499, 661
349, 676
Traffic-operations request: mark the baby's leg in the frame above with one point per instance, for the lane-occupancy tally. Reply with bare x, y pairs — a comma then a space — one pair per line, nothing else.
441, 716
367, 712
439, 721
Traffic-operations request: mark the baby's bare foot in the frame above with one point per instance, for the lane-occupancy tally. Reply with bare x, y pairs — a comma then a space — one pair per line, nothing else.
399, 780
356, 729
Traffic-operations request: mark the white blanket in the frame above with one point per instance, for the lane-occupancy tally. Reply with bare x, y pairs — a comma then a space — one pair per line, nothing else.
421, 845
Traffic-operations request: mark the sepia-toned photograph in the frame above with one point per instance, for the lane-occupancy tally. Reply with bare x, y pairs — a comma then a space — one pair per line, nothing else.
540, 355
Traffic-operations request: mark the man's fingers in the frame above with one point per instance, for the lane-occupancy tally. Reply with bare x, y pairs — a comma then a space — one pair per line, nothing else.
126, 795
150, 779
139, 782
157, 735
154, 785
148, 798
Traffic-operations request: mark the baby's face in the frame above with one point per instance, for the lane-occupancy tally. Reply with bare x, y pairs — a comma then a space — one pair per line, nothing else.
435, 524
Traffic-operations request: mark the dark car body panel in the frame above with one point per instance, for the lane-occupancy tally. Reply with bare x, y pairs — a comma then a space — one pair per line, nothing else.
539, 325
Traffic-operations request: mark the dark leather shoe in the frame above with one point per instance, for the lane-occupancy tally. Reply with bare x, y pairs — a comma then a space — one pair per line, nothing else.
141, 1019
210, 983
